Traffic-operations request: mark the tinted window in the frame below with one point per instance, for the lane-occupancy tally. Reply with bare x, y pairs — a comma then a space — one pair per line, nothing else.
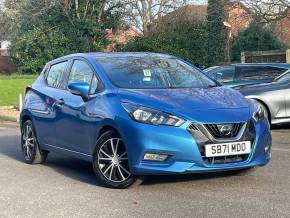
258, 72
152, 73
56, 76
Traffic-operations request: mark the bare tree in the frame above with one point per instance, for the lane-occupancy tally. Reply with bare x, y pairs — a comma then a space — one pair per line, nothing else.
141, 13
267, 11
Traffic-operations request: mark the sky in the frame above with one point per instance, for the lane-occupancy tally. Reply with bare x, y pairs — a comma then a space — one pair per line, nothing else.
1, 3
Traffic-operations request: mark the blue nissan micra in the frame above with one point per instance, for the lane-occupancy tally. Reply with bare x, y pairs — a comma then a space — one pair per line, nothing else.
136, 114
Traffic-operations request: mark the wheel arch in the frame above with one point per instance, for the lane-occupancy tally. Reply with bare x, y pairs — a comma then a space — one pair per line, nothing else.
24, 116
106, 128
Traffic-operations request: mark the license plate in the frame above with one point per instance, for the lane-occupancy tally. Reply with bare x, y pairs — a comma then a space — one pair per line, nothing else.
228, 149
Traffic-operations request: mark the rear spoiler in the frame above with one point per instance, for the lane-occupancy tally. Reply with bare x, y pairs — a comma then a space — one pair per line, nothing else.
27, 88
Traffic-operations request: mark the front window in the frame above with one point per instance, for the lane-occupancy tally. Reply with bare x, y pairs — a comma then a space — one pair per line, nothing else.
82, 72
153, 73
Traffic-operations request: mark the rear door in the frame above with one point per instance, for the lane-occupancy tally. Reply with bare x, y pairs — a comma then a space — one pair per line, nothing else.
54, 82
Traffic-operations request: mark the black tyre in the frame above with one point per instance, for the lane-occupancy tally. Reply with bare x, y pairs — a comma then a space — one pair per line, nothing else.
30, 147
110, 162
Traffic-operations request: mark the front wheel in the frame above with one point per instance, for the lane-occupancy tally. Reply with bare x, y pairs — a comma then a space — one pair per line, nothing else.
111, 162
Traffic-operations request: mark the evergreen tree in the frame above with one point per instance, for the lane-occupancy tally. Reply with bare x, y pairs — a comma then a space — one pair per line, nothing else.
217, 31
255, 38
43, 30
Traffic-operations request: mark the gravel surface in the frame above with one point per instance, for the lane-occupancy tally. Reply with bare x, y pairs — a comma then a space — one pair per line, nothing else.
10, 114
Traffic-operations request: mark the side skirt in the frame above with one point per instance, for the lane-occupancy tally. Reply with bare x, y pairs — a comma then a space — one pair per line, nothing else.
68, 152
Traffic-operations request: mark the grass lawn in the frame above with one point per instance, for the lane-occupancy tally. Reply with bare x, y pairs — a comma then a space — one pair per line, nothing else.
11, 86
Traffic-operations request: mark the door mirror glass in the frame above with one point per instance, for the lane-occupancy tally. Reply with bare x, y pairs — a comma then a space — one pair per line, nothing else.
80, 88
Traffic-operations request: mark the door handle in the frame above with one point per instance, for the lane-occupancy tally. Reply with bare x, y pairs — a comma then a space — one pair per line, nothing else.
59, 102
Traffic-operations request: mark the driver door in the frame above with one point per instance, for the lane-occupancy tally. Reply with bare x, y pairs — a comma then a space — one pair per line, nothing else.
76, 127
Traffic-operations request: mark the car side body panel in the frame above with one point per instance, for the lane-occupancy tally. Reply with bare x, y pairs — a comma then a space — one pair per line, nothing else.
273, 96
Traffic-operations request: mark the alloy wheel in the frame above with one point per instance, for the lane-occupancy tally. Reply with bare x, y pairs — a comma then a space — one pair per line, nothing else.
28, 140
113, 160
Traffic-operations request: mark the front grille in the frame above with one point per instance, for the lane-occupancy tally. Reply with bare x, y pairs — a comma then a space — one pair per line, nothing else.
216, 133
225, 159
201, 139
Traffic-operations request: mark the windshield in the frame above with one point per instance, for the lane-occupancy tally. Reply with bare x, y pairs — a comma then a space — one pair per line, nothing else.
153, 73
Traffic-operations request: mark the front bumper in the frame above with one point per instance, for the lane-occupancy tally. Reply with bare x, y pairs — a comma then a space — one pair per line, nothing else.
179, 144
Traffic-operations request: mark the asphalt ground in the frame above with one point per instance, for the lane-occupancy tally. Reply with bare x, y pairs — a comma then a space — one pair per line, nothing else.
66, 187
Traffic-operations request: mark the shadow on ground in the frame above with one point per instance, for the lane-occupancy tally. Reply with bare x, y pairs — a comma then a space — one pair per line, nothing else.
82, 171
280, 127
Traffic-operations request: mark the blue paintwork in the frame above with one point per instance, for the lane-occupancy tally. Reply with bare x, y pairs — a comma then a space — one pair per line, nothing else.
73, 128
80, 88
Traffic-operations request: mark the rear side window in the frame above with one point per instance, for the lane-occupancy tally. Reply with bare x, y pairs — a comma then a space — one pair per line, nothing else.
258, 72
56, 75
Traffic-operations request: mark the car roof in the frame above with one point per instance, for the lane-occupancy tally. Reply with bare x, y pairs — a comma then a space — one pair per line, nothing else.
277, 65
263, 64
281, 65
113, 54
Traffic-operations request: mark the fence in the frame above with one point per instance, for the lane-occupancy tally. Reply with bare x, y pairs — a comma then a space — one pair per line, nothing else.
6, 66
266, 57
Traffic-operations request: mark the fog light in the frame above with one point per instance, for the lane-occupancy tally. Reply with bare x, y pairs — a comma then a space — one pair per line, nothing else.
155, 157
267, 148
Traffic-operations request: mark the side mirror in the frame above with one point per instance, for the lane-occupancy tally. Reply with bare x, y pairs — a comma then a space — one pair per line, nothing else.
80, 88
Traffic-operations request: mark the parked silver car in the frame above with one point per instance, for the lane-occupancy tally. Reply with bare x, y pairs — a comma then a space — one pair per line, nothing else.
274, 97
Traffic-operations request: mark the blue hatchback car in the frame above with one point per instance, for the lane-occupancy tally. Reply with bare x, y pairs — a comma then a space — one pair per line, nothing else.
136, 114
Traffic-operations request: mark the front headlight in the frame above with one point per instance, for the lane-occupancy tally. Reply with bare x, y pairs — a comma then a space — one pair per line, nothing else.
151, 116
259, 113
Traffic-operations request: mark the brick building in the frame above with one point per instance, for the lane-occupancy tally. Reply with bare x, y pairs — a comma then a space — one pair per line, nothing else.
283, 29
119, 37
4, 47
6, 66
239, 17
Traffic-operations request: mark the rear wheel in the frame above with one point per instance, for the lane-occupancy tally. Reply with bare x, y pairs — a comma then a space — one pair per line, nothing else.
30, 147
111, 162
